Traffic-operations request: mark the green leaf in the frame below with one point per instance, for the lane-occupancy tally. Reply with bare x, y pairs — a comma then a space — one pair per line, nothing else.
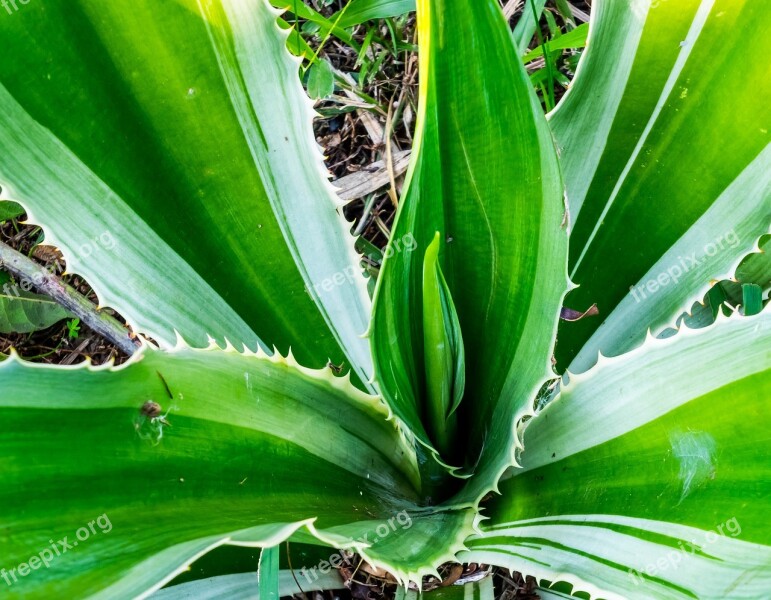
659, 80
752, 299
243, 586
10, 210
359, 11
756, 268
527, 24
267, 574
716, 296
753, 271
25, 312
504, 256
321, 79
73, 328
649, 477
325, 26
563, 6
175, 182
249, 451
575, 38
726, 295
443, 351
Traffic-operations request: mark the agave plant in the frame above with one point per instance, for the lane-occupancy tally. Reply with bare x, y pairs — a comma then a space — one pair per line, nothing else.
181, 129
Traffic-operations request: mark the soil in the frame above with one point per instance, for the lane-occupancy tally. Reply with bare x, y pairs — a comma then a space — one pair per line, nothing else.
56, 344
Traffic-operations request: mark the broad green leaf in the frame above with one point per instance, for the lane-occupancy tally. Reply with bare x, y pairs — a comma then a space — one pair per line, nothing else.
321, 79
726, 295
408, 549
249, 451
443, 352
756, 268
10, 210
667, 167
717, 296
243, 586
752, 298
192, 154
754, 271
650, 476
267, 574
575, 38
484, 175
24, 312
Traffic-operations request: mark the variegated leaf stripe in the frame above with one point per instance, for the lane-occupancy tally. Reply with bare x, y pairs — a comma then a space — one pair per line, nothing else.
192, 156
249, 450
667, 171
241, 586
498, 236
650, 475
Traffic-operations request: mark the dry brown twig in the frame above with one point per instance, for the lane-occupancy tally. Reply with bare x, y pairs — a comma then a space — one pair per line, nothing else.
49, 284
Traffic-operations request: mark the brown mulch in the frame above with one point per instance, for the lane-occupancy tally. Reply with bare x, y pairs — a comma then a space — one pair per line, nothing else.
55, 345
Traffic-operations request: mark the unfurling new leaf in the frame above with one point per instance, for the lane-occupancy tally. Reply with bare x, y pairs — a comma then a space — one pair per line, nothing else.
443, 351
